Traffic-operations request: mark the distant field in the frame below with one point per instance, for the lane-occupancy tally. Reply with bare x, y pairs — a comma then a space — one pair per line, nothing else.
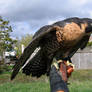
81, 81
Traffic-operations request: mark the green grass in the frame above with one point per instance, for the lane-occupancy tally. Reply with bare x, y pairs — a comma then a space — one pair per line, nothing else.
25, 87
81, 86
80, 81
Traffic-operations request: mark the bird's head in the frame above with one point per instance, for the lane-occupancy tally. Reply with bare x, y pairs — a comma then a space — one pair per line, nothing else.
88, 29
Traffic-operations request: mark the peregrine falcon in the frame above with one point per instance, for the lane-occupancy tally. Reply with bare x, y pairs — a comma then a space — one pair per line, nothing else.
60, 40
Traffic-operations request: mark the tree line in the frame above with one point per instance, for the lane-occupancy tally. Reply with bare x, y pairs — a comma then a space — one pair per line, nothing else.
7, 42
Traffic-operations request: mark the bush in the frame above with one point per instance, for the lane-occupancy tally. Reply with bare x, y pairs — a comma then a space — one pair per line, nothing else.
4, 67
89, 44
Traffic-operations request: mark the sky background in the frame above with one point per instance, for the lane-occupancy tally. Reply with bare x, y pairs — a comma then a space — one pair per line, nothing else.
27, 16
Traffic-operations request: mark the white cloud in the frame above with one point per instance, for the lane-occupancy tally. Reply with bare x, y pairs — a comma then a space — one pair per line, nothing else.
32, 14
90, 13
21, 29
4, 6
79, 2
51, 22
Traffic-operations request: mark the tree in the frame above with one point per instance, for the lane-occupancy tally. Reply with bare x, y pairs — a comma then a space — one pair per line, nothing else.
6, 42
25, 40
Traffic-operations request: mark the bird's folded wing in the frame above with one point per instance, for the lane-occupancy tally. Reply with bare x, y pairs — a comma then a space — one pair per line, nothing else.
30, 49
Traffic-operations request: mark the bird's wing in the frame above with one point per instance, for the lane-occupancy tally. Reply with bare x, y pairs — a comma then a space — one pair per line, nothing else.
31, 47
36, 66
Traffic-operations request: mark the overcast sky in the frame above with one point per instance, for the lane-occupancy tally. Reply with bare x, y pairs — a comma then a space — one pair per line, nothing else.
27, 16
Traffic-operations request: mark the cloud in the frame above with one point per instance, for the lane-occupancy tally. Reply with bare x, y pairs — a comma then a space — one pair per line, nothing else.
32, 14
20, 29
26, 10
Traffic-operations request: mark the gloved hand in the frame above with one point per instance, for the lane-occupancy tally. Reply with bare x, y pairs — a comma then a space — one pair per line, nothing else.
57, 84
66, 69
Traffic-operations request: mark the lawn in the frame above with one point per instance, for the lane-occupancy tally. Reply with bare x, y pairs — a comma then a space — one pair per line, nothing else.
80, 81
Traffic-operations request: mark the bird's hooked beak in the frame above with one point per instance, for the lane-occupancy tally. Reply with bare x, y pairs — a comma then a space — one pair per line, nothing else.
88, 29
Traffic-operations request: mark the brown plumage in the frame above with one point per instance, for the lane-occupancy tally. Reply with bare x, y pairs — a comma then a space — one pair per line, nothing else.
60, 40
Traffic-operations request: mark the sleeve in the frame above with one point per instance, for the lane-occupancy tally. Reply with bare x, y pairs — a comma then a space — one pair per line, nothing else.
56, 82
